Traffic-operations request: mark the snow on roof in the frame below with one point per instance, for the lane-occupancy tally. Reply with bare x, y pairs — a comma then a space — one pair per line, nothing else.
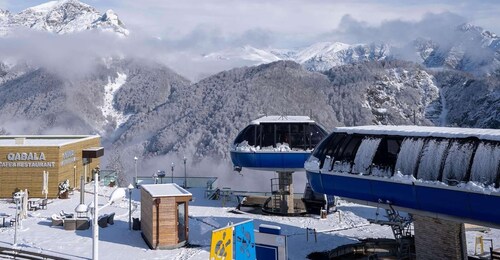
165, 190
423, 131
282, 119
43, 140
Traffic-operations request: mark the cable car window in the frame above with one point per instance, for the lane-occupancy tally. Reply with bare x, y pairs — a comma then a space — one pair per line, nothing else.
457, 161
248, 134
386, 156
297, 136
267, 135
347, 150
283, 133
328, 146
485, 165
258, 135
387, 152
315, 135
409, 155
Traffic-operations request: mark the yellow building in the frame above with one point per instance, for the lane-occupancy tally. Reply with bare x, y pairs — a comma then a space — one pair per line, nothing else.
23, 160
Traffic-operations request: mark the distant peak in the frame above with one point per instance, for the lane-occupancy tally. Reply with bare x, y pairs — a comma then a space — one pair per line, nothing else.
469, 27
4, 13
66, 16
109, 21
111, 16
42, 8
54, 5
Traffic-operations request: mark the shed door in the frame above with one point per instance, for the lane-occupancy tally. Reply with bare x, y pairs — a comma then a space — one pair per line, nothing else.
181, 221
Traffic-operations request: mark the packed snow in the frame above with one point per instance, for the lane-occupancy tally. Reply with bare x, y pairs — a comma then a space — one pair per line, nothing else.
280, 147
347, 225
423, 131
365, 154
430, 160
425, 156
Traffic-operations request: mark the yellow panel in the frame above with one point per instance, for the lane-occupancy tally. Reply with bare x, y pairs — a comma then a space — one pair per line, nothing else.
222, 244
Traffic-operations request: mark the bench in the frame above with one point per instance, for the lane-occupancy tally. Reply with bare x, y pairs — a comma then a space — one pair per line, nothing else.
69, 224
82, 223
103, 221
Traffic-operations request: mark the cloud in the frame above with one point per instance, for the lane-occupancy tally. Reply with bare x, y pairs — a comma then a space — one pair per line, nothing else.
439, 27
67, 55
178, 33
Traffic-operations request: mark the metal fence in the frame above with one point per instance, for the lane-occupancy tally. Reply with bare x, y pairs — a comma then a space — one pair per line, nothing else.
191, 182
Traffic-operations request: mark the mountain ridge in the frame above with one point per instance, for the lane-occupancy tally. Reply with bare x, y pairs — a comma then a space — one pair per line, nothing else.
141, 107
62, 17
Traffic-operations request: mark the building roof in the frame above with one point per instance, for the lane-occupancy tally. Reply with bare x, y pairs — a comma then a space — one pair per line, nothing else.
42, 140
423, 131
282, 119
165, 190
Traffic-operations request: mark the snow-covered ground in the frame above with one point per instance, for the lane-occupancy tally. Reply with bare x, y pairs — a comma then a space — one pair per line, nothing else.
118, 242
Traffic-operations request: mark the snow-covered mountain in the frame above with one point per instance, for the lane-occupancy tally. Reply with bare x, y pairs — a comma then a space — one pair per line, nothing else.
62, 17
246, 52
317, 57
470, 48
142, 107
325, 55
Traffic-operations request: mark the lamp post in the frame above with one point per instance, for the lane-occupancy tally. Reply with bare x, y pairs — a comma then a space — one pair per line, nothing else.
87, 155
172, 172
130, 188
135, 159
95, 227
74, 177
185, 175
117, 195
17, 199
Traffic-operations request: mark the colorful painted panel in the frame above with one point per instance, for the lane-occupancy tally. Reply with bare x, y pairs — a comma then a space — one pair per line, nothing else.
244, 241
222, 244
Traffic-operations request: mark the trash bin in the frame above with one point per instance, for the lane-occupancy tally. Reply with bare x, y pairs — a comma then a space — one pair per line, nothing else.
136, 225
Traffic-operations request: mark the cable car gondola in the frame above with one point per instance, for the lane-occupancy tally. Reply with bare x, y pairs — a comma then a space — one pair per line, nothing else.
280, 144
276, 143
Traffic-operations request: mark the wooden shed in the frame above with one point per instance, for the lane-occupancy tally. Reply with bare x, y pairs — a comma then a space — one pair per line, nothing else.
164, 215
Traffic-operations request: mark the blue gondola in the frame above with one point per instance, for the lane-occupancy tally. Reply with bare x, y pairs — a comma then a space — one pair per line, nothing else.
442, 172
276, 143
280, 144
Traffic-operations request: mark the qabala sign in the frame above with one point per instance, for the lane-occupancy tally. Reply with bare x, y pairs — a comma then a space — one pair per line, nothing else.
26, 160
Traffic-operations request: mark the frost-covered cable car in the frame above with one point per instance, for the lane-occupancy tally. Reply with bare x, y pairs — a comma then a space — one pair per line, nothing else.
453, 172
281, 144
276, 143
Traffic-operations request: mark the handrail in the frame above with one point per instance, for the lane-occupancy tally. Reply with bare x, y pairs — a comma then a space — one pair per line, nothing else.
23, 254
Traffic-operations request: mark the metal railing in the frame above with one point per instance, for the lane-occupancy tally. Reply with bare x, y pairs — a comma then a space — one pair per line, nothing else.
108, 176
191, 182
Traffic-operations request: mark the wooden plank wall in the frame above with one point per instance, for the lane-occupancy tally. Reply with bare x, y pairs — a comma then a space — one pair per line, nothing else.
32, 178
147, 204
66, 169
168, 234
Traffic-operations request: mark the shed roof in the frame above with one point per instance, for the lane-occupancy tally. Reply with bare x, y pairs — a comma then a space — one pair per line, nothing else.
43, 140
165, 190
282, 119
423, 131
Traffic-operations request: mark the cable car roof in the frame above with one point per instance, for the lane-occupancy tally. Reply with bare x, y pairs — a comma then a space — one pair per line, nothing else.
422, 131
282, 119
